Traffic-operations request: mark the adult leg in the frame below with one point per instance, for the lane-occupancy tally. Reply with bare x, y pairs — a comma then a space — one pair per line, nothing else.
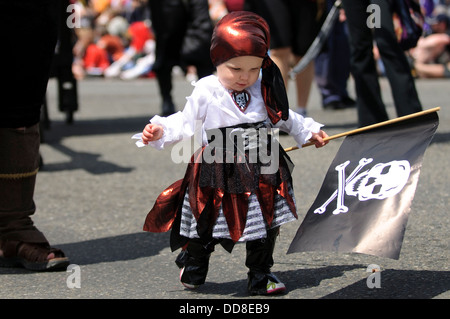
434, 70
429, 48
281, 19
169, 25
396, 65
332, 68
19, 162
199, 32
164, 78
371, 108
303, 83
282, 58
21, 243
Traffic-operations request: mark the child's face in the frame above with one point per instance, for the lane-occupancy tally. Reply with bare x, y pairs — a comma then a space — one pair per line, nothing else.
239, 73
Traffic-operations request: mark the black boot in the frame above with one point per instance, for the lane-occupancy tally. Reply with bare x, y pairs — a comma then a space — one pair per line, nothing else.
194, 262
259, 261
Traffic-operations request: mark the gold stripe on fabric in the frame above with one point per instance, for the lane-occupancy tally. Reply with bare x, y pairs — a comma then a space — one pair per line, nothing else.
19, 175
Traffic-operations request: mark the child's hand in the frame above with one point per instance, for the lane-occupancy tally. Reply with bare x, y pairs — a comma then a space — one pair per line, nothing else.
152, 132
317, 139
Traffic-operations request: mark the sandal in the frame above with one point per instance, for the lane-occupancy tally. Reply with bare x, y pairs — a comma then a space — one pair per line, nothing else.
31, 256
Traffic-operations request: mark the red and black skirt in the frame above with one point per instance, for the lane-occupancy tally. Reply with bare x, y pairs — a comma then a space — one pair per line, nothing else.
236, 187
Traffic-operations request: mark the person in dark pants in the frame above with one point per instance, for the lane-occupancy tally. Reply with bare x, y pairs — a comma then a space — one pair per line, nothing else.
294, 24
183, 31
30, 45
61, 69
332, 67
371, 108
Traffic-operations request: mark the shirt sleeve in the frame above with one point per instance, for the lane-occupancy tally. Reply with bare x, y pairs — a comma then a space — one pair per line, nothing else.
299, 127
183, 124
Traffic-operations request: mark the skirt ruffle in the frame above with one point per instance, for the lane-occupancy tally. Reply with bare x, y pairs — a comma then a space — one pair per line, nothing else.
255, 228
224, 200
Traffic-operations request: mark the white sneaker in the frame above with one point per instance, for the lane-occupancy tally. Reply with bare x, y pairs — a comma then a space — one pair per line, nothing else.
275, 287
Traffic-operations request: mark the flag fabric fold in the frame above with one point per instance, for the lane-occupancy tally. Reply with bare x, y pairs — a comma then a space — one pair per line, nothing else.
365, 199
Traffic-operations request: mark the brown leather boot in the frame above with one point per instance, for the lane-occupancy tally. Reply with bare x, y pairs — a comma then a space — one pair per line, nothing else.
21, 243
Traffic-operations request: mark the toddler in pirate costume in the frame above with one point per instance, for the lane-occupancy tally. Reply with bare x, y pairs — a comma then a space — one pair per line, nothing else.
241, 200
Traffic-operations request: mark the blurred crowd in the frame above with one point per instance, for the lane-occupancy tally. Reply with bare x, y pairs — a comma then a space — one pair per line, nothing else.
115, 38
431, 56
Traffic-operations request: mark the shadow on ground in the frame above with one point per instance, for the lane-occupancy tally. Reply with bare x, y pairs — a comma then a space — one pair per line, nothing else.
395, 284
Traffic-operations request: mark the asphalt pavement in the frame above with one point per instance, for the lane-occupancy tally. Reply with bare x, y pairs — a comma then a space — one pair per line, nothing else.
96, 187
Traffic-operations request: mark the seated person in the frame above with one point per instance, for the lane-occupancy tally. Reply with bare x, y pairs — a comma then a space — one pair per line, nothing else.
432, 53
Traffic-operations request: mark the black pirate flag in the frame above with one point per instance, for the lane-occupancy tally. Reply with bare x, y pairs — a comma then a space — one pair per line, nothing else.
364, 202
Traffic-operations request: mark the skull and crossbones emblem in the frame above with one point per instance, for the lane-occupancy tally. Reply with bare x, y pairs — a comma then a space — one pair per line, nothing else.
381, 181
241, 99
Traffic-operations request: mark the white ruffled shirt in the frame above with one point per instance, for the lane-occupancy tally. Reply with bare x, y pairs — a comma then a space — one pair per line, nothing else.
210, 106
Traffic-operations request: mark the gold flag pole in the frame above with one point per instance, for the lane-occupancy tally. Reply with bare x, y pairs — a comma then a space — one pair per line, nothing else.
369, 127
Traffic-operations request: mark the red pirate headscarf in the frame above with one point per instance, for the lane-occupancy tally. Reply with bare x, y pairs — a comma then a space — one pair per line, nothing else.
242, 33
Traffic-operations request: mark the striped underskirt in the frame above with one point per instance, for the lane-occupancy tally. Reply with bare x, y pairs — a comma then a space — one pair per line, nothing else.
255, 227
